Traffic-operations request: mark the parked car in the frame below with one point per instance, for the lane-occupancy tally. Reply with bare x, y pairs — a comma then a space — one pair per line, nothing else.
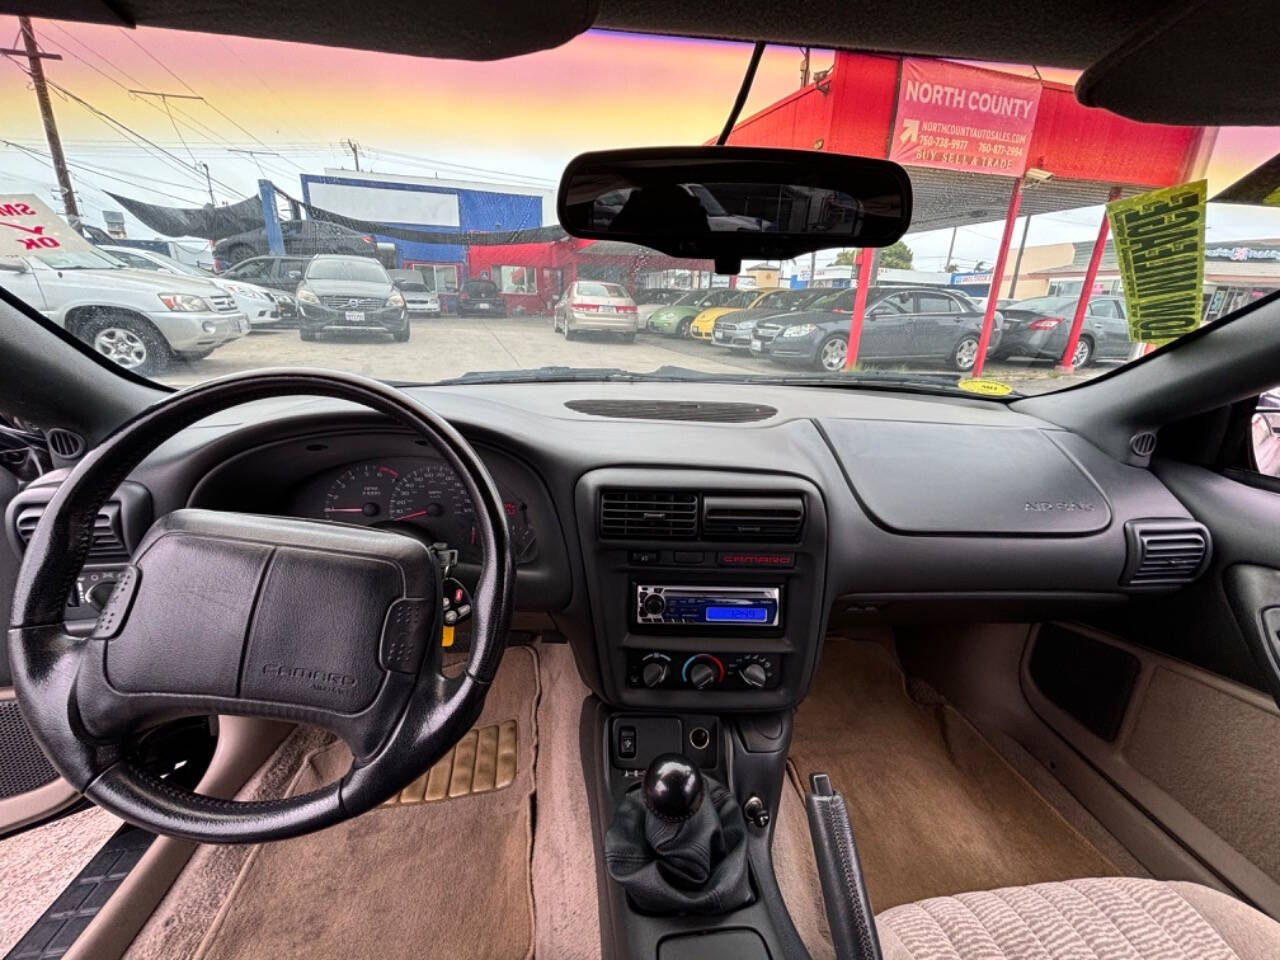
263, 307
899, 323
419, 299
140, 319
650, 300
733, 330
350, 293
301, 237
480, 298
704, 323
592, 306
1039, 328
675, 320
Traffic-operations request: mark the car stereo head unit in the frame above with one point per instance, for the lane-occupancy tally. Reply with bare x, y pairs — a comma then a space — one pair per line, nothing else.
739, 607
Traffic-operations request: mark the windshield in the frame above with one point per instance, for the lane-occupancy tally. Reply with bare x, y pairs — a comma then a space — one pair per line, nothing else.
289, 163
366, 271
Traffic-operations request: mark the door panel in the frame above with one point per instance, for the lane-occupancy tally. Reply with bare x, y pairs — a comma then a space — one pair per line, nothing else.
30, 789
886, 329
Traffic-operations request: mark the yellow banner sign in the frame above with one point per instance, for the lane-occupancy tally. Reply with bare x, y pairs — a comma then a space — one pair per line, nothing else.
1159, 241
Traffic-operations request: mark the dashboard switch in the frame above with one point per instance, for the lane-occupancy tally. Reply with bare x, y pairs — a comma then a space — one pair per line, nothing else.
754, 675
626, 743
654, 673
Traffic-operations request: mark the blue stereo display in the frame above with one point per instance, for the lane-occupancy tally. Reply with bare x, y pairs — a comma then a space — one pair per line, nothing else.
735, 613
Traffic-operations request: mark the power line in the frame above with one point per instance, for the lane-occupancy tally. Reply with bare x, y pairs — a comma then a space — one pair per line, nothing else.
100, 172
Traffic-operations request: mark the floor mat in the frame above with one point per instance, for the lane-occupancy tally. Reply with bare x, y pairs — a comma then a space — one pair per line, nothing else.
406, 880
934, 808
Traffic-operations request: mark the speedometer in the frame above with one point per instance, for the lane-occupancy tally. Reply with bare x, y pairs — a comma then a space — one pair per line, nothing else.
435, 496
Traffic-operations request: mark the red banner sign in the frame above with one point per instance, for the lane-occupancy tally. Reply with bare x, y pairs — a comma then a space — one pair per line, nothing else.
955, 117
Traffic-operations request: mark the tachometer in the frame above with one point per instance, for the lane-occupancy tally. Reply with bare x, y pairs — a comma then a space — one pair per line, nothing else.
435, 496
361, 494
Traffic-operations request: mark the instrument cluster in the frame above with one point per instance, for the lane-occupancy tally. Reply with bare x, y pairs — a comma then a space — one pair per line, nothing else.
419, 496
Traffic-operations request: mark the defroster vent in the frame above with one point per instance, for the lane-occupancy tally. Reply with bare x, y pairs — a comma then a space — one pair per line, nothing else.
1164, 553
648, 515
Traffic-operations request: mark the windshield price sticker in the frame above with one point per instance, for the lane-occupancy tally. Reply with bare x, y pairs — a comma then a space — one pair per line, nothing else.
956, 117
1159, 242
985, 388
28, 225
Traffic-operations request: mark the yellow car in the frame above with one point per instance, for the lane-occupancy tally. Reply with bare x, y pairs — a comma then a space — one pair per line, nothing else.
704, 323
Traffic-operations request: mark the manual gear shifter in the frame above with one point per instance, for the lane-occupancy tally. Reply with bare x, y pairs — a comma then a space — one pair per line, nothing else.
678, 842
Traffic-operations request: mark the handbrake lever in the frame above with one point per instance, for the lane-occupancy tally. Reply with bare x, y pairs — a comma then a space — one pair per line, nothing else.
844, 891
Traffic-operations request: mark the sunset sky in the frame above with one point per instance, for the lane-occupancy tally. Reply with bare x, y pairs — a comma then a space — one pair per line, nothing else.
519, 119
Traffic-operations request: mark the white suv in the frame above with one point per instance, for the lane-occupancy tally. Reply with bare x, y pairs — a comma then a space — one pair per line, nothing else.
140, 319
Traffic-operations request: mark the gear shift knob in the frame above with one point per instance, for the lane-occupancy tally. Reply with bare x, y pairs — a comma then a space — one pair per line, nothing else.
672, 787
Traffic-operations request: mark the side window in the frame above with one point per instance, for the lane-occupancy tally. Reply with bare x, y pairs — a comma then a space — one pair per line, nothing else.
935, 303
291, 269
890, 306
1266, 434
133, 260
250, 269
1103, 308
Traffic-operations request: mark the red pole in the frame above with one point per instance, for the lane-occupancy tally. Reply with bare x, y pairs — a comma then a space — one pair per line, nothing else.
997, 277
859, 307
1086, 290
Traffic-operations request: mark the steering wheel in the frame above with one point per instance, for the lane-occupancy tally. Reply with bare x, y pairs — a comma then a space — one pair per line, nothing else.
217, 612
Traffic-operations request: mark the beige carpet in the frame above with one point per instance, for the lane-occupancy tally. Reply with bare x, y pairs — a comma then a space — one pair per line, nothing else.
423, 880
38, 864
565, 903
934, 808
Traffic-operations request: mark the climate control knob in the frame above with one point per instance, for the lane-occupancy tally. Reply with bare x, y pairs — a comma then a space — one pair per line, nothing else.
754, 675
654, 673
703, 671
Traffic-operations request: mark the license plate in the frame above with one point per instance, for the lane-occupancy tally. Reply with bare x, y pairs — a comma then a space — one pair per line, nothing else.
483, 306
355, 316
756, 346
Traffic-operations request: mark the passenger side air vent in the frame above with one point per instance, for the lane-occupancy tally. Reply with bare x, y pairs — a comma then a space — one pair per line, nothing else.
686, 410
752, 519
1164, 553
108, 539
648, 515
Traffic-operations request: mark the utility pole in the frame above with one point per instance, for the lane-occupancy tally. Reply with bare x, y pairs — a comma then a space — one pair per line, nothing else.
31, 51
951, 247
355, 151
804, 66
1017, 261
208, 180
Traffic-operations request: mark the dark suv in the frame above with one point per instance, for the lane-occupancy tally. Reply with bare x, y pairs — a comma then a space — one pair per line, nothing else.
480, 298
900, 323
350, 293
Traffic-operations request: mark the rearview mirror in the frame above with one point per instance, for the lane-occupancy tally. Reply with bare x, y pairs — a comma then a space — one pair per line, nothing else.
726, 203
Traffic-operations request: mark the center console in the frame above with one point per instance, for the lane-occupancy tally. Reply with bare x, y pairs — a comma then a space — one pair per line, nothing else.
706, 587
707, 598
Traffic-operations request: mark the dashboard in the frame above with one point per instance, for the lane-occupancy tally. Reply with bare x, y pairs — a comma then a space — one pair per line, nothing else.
694, 542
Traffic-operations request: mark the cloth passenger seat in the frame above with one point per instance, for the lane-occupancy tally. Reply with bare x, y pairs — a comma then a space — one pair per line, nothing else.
1114, 918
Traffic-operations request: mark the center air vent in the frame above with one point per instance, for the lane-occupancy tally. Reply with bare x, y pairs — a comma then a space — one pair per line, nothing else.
648, 515
1164, 553
752, 519
108, 539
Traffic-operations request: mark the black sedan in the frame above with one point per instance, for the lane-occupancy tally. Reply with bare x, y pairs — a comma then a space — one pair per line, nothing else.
301, 238
350, 293
899, 324
1039, 328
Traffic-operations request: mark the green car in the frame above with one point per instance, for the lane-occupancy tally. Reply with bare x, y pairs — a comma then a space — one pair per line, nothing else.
674, 320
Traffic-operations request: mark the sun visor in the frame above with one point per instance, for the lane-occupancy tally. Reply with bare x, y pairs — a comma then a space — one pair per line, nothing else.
1205, 63
450, 29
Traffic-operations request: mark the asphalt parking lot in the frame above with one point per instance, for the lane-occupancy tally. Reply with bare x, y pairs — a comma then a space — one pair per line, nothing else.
445, 347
